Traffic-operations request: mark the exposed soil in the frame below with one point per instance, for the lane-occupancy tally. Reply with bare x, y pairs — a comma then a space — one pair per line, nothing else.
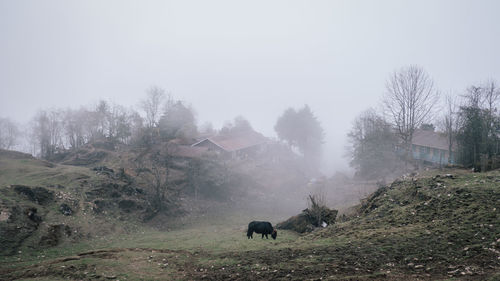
323, 263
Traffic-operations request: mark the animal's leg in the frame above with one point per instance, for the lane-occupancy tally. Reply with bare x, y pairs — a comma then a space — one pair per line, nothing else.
262, 235
267, 237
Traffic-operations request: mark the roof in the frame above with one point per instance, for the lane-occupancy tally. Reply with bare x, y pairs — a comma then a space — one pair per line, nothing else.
235, 141
431, 139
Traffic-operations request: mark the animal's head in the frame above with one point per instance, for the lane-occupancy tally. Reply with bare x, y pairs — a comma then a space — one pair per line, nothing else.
274, 234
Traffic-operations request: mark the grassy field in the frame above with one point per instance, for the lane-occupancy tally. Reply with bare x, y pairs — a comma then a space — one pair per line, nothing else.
400, 241
434, 227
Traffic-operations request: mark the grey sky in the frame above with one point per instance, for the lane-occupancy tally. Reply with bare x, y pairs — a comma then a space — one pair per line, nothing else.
250, 58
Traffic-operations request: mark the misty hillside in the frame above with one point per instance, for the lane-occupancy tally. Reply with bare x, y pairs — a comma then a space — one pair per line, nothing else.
107, 188
238, 140
434, 226
45, 204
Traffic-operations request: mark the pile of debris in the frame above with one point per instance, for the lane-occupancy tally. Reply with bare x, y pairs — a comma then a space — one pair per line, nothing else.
317, 215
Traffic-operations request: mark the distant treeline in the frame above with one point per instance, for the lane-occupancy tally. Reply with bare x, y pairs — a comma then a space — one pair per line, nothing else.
381, 140
157, 118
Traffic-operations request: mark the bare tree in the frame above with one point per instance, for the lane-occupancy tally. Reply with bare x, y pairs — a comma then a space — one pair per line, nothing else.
491, 95
154, 171
48, 131
316, 204
73, 123
8, 133
409, 101
450, 123
152, 104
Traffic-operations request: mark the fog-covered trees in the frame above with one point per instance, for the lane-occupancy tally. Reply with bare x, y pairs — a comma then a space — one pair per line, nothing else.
238, 125
478, 134
372, 142
47, 127
409, 101
449, 123
56, 130
301, 129
152, 104
74, 125
177, 121
9, 133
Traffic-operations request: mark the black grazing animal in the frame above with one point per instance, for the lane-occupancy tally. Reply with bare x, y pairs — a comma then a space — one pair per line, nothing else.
261, 227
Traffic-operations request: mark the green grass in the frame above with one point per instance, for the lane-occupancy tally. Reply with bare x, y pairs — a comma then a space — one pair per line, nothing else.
432, 228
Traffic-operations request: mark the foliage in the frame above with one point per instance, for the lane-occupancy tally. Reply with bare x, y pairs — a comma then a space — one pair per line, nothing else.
9, 133
372, 144
239, 125
301, 129
177, 121
210, 178
154, 171
478, 135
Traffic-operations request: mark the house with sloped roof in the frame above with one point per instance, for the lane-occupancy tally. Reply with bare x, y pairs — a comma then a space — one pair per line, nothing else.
431, 146
235, 145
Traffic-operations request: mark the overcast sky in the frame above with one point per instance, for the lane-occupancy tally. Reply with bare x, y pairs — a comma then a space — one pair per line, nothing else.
249, 58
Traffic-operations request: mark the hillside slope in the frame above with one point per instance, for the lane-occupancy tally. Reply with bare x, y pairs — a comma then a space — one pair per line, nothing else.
434, 227
43, 204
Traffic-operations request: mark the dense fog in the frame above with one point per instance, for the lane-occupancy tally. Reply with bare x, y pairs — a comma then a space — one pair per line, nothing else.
226, 59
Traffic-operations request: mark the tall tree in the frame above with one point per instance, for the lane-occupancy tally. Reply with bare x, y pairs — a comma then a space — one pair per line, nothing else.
450, 123
48, 131
9, 133
73, 123
151, 105
301, 129
371, 149
238, 125
479, 127
177, 121
409, 101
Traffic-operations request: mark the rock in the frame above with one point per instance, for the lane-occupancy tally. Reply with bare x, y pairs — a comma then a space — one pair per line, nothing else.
31, 213
20, 225
65, 209
129, 205
4, 215
103, 170
38, 195
55, 235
